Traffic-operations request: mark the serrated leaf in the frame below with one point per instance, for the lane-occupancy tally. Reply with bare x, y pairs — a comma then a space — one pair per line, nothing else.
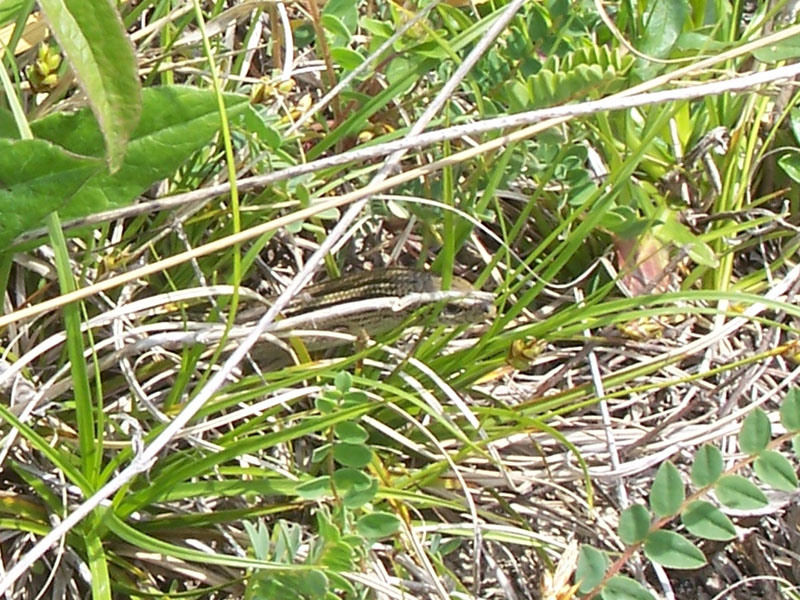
773, 469
376, 525
667, 493
734, 491
672, 550
93, 38
620, 587
755, 433
591, 567
707, 466
37, 178
634, 523
705, 520
790, 410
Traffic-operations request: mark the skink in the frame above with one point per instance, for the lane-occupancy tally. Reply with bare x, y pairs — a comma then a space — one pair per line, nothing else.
378, 301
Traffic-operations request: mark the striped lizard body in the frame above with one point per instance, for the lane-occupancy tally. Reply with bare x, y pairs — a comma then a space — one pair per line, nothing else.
374, 302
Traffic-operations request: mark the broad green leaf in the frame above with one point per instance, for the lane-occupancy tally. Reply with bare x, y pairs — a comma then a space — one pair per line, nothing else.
357, 498
592, 565
516, 94
672, 550
355, 487
773, 469
8, 127
539, 23
663, 23
176, 122
338, 557
315, 489
397, 72
377, 27
331, 214
790, 163
352, 455
346, 58
308, 584
695, 41
335, 26
346, 479
667, 493
326, 528
93, 38
755, 433
354, 398
254, 122
634, 523
796, 445
785, 49
344, 10
734, 491
705, 520
312, 584
320, 453
37, 178
620, 587
624, 221
347, 431
343, 381
790, 410
707, 465
325, 405
377, 525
